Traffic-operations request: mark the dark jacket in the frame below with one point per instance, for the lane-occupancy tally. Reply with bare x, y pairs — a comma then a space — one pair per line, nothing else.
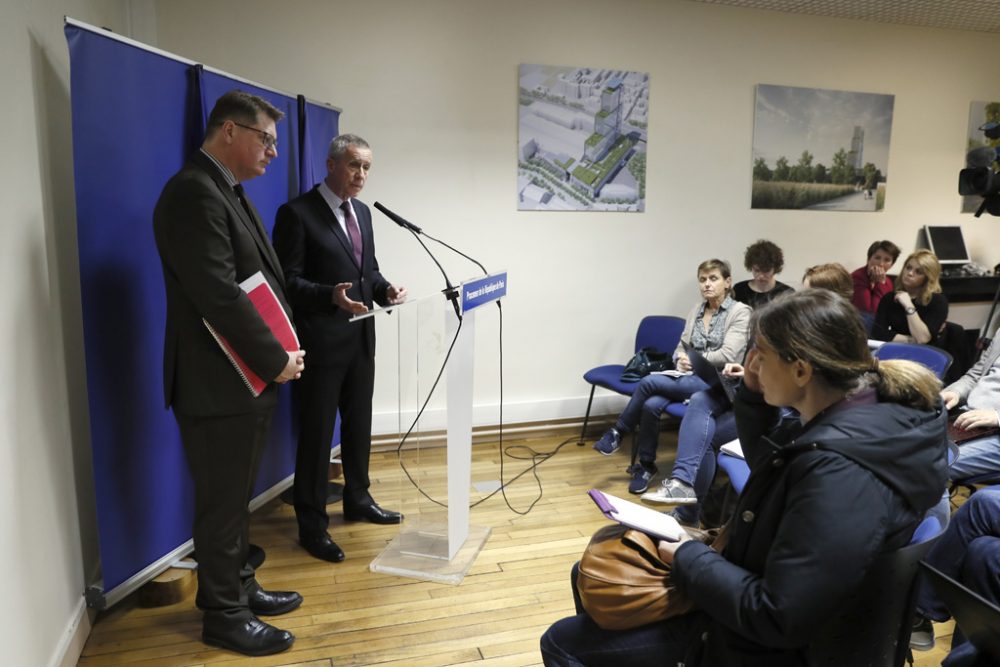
208, 243
316, 255
822, 502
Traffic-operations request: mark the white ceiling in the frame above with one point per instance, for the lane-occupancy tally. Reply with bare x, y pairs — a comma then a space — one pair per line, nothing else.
980, 15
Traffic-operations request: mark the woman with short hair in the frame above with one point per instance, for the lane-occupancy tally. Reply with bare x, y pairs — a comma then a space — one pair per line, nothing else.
833, 277
717, 328
871, 281
764, 260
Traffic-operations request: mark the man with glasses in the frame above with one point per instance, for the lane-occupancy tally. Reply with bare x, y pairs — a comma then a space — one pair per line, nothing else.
210, 238
327, 249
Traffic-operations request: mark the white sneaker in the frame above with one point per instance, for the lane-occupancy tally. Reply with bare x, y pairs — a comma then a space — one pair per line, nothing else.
672, 492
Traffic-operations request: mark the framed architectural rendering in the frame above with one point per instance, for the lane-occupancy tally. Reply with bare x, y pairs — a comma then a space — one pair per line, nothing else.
581, 139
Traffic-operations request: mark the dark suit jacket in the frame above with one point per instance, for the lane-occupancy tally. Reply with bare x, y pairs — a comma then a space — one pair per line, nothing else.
208, 244
316, 255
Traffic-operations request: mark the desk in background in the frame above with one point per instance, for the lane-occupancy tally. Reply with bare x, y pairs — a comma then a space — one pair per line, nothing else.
969, 289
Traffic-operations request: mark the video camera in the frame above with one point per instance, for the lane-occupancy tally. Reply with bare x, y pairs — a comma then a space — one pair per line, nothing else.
980, 177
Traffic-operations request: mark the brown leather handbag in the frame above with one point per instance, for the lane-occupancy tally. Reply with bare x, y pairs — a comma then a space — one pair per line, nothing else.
623, 583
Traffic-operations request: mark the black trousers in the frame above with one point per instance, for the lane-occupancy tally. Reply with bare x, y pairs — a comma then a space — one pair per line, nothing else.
223, 454
320, 392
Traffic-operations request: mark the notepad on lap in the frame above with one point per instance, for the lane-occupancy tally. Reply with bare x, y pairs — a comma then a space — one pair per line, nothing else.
627, 513
733, 448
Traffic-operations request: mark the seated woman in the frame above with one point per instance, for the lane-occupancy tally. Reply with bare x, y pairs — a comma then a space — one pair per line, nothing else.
765, 261
833, 277
871, 282
827, 493
717, 327
917, 310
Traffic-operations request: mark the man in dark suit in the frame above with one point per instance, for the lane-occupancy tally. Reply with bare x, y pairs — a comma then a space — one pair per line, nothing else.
327, 249
210, 238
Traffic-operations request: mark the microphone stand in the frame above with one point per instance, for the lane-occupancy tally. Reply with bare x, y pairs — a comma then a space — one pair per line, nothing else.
457, 252
449, 291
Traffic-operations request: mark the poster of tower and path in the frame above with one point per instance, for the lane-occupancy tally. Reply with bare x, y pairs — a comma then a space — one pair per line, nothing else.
820, 150
581, 139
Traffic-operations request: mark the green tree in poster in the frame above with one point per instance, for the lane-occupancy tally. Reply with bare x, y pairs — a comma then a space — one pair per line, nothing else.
761, 172
820, 174
802, 172
871, 175
992, 113
841, 172
781, 170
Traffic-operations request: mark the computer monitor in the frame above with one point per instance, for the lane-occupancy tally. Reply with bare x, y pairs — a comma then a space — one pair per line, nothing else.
948, 244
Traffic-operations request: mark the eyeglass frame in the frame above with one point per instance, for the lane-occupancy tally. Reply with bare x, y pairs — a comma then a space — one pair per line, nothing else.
270, 141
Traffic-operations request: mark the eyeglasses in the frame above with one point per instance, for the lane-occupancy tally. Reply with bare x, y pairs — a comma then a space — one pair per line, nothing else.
266, 138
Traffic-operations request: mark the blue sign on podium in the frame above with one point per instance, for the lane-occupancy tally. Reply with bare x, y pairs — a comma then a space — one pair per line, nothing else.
483, 290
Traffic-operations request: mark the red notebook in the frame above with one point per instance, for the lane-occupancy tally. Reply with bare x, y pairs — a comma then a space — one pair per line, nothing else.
960, 435
267, 304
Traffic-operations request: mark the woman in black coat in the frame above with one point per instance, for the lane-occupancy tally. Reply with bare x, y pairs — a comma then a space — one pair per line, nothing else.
828, 492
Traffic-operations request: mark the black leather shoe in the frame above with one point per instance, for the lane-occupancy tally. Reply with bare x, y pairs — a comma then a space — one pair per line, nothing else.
371, 512
322, 547
272, 603
249, 637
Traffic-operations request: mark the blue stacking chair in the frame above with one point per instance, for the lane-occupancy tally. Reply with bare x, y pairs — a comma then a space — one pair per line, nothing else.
676, 409
660, 331
736, 468
933, 358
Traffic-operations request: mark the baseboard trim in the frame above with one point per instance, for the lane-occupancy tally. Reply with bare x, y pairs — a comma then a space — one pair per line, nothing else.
70, 647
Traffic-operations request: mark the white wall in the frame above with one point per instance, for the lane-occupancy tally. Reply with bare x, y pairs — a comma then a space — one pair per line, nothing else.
48, 541
433, 86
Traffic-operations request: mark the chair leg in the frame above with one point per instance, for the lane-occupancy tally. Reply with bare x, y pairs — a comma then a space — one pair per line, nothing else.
586, 417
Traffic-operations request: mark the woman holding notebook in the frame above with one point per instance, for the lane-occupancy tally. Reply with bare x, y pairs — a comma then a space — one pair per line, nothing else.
828, 492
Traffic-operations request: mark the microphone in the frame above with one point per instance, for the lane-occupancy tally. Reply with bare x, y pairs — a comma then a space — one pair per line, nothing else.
399, 220
450, 292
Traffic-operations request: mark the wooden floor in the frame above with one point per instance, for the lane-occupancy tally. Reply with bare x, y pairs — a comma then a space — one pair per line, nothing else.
517, 587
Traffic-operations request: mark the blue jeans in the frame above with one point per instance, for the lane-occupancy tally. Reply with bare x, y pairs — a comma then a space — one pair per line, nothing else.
652, 395
697, 432
977, 457
968, 551
721, 431
577, 640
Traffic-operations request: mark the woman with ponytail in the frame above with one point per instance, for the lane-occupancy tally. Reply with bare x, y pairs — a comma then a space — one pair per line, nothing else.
829, 491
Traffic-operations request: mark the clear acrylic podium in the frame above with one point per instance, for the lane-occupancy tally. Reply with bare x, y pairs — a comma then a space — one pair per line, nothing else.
436, 352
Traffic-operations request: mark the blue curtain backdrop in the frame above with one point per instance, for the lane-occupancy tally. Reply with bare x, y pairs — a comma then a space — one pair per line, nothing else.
317, 127
137, 114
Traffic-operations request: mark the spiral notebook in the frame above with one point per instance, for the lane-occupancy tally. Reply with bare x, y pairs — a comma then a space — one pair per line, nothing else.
266, 302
